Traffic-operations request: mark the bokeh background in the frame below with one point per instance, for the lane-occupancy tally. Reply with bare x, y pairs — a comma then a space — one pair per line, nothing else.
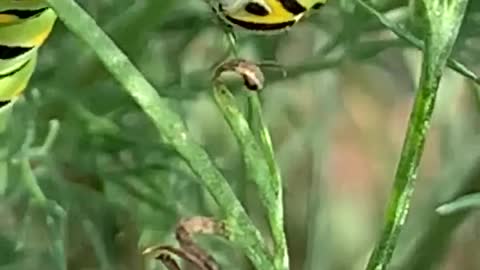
337, 121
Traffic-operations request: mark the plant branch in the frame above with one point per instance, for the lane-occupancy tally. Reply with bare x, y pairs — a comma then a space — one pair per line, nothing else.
443, 20
404, 34
281, 259
259, 168
170, 126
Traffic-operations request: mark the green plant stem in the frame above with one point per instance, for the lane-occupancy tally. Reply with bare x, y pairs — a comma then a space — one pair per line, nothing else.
27, 152
399, 203
5, 113
31, 182
274, 208
22, 159
404, 34
55, 215
443, 23
428, 233
257, 168
463, 203
281, 260
170, 125
56, 224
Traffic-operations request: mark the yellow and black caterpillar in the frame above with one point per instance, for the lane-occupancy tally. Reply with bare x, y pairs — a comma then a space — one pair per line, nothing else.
24, 26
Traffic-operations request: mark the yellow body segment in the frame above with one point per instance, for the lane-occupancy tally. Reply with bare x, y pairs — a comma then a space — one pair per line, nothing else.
281, 14
13, 85
310, 3
7, 19
278, 14
30, 32
23, 29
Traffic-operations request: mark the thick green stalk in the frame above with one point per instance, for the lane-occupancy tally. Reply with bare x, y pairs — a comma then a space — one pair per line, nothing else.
170, 125
442, 22
429, 233
281, 260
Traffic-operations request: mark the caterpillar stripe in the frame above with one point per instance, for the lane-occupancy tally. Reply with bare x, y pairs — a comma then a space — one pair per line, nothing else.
24, 26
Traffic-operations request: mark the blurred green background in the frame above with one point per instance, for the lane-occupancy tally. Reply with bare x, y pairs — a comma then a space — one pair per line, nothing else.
337, 121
